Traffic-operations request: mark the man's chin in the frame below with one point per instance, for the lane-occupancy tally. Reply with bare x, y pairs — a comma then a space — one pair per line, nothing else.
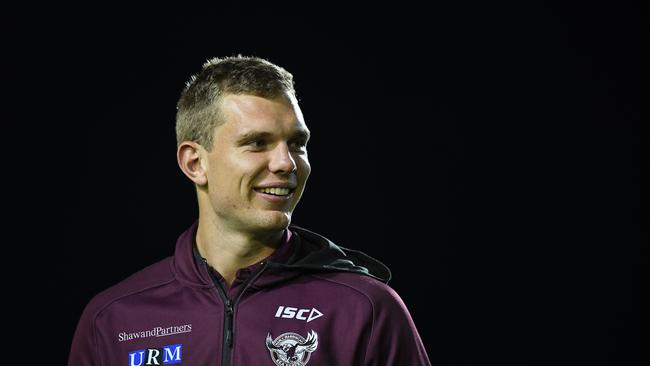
275, 221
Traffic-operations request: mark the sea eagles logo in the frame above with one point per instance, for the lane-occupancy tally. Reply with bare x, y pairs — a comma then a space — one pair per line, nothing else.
291, 349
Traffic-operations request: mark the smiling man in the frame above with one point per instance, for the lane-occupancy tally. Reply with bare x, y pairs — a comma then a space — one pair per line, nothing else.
245, 286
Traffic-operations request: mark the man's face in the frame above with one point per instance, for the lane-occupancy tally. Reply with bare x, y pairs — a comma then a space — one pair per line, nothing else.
258, 166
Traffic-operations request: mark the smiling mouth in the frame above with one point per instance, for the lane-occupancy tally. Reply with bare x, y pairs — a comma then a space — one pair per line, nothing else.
275, 191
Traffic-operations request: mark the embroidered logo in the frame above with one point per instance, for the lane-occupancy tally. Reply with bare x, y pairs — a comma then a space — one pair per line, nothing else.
291, 349
288, 312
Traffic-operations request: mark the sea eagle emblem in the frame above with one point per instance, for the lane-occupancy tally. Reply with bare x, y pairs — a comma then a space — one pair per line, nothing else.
291, 349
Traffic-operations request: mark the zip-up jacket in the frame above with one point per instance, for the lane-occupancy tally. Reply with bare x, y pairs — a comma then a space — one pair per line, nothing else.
321, 304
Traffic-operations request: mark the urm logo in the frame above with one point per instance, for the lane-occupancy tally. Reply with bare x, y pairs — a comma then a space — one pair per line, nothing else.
157, 356
295, 313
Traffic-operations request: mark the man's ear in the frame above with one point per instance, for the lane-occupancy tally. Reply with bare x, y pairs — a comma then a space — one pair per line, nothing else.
190, 159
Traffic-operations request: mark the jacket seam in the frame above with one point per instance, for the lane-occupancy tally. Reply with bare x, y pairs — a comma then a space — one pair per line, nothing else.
96, 344
109, 303
372, 306
135, 292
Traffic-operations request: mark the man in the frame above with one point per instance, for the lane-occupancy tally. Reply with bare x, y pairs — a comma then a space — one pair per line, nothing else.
244, 286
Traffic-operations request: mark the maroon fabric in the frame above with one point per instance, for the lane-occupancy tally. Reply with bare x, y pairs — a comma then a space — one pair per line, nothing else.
319, 309
281, 255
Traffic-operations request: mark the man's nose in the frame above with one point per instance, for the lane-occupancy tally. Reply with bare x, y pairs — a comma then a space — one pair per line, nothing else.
281, 161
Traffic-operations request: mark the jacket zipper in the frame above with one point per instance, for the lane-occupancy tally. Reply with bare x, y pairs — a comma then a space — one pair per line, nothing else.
229, 310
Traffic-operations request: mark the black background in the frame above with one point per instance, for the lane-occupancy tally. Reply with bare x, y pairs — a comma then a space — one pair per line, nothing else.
494, 156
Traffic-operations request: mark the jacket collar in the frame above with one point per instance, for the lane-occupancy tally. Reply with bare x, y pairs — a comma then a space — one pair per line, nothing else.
309, 252
186, 268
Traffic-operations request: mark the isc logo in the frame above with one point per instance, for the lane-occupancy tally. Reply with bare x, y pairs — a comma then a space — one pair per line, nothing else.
157, 356
295, 313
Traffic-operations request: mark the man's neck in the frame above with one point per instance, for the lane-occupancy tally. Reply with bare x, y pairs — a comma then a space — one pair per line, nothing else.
227, 251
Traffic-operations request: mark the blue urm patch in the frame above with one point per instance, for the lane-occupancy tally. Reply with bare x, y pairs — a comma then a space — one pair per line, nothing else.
167, 355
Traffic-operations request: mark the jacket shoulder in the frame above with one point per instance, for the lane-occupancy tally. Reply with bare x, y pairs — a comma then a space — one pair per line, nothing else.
85, 349
152, 276
376, 291
394, 338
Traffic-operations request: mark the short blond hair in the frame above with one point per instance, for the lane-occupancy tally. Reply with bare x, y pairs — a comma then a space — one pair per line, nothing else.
198, 106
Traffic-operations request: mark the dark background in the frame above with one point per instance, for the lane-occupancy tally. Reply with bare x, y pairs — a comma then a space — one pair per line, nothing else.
492, 155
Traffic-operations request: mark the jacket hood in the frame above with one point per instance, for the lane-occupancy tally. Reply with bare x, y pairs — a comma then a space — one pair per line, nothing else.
311, 253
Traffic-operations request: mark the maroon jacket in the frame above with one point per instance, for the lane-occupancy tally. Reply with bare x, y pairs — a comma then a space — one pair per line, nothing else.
320, 304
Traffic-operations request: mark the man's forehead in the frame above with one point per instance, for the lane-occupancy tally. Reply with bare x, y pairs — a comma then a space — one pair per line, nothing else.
244, 114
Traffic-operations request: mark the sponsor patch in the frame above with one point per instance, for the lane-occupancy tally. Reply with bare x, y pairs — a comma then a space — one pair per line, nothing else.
167, 355
154, 332
289, 312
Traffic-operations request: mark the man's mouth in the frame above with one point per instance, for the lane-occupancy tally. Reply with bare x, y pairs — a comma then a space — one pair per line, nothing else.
275, 191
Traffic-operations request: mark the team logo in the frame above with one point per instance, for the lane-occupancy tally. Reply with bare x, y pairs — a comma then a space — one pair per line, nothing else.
291, 349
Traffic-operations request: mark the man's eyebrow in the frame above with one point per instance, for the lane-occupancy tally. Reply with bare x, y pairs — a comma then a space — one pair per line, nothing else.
255, 135
252, 135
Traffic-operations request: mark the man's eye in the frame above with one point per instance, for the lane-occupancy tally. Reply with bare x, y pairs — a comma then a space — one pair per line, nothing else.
298, 144
257, 143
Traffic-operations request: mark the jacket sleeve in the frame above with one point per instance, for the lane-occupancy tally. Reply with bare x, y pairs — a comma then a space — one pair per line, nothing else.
83, 351
394, 339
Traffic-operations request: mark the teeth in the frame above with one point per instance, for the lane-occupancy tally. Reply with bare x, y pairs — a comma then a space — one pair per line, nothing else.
275, 191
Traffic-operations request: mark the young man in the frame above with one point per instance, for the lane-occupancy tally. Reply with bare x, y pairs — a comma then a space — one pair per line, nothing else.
244, 286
